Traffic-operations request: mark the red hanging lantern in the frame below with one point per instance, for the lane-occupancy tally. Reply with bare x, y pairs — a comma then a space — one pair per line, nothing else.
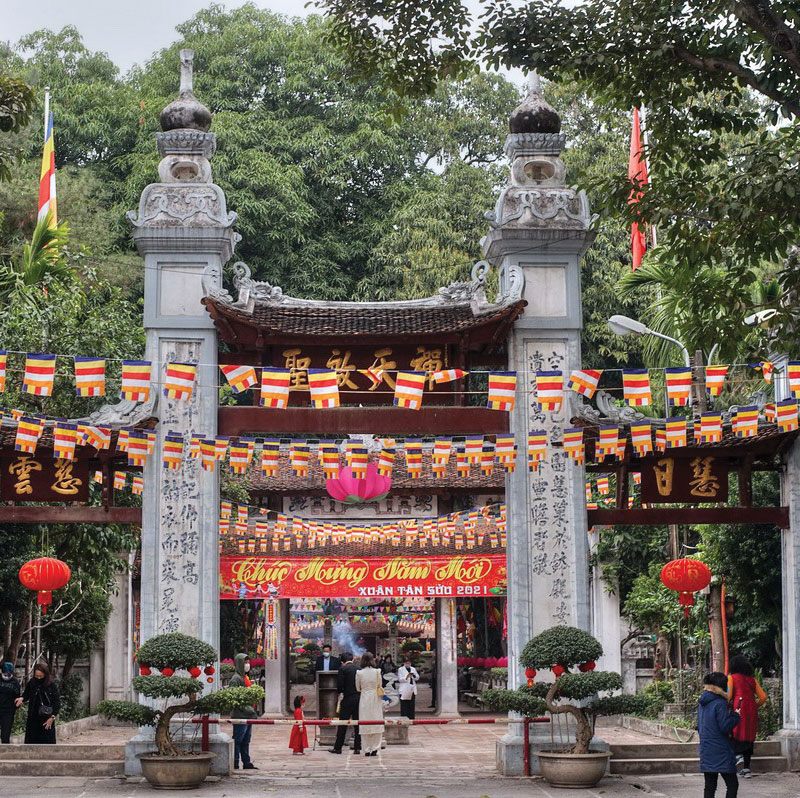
686, 576
557, 670
194, 671
208, 670
45, 575
530, 682
587, 666
167, 671
144, 670
530, 673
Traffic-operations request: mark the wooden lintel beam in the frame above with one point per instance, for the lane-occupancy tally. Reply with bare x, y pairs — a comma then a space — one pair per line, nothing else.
658, 516
241, 420
69, 514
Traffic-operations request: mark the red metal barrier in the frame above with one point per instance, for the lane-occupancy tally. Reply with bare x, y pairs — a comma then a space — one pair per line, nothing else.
526, 756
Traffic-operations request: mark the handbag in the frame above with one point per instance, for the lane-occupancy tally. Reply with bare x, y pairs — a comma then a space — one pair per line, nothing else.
378, 688
45, 709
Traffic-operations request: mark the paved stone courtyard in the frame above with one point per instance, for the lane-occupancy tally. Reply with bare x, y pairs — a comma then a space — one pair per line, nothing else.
440, 762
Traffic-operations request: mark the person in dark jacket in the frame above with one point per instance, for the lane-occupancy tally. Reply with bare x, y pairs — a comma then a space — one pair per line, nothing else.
327, 662
242, 732
41, 696
348, 708
9, 693
715, 722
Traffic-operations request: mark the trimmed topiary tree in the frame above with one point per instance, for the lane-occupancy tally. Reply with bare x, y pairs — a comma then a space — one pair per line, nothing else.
560, 649
170, 653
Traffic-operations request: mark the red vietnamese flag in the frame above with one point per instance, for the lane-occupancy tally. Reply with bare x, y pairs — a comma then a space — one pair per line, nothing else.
637, 170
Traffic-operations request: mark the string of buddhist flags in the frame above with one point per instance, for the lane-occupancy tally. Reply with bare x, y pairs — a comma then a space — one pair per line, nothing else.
460, 529
323, 384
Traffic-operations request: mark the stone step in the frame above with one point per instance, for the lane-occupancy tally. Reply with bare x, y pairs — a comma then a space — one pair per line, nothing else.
61, 767
75, 752
668, 750
641, 767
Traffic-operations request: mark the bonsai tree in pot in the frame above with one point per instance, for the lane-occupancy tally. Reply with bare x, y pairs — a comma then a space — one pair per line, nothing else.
570, 655
169, 653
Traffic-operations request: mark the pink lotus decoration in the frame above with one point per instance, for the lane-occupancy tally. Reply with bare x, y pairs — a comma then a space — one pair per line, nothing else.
350, 490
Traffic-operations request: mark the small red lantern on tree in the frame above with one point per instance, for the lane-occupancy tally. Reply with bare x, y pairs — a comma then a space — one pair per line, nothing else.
45, 575
686, 576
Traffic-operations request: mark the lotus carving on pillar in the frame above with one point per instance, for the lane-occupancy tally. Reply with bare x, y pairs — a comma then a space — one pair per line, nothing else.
349, 490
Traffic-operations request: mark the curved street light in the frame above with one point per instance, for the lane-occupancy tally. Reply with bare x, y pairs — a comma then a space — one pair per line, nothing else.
622, 325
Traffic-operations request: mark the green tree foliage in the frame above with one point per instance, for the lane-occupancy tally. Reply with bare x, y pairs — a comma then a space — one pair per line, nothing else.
746, 558
696, 69
16, 105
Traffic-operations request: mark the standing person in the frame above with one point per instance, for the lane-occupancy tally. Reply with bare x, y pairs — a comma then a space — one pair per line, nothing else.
407, 678
298, 740
387, 666
43, 701
327, 662
348, 704
747, 695
242, 732
9, 693
370, 703
715, 721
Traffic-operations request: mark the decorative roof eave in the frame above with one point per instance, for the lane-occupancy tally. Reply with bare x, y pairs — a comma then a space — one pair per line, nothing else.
455, 311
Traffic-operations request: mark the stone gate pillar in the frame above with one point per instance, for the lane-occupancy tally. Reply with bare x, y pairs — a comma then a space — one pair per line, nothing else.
539, 230
184, 232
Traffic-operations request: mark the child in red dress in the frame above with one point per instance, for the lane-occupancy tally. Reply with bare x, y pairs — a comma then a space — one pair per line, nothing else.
299, 737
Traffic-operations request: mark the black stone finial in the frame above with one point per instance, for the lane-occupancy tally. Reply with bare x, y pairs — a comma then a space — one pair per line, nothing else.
187, 112
534, 114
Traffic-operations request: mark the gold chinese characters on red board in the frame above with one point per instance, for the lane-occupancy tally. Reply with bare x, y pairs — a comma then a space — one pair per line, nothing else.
28, 478
356, 577
689, 480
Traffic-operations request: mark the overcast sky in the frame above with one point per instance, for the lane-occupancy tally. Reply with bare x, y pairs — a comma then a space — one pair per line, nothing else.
130, 31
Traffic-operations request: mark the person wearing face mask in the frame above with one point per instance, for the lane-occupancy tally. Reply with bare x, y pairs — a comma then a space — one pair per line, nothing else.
242, 732
9, 693
407, 678
41, 696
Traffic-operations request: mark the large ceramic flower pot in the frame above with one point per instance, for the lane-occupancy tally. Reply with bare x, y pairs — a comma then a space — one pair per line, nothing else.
563, 769
176, 772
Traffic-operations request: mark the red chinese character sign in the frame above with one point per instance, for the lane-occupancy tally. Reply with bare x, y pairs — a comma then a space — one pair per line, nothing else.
686, 576
45, 575
356, 577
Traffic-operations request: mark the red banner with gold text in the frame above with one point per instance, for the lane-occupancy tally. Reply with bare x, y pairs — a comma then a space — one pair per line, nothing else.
254, 577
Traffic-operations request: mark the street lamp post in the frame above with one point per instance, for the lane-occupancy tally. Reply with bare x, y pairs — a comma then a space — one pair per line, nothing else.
622, 325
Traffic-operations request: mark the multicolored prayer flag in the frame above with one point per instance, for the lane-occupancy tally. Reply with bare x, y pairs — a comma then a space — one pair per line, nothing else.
3, 366
207, 455
676, 432
240, 378
661, 440
179, 380
299, 456
173, 451
537, 448
448, 375
137, 485
47, 175
793, 373
549, 389
679, 385
359, 462
487, 459
270, 456
473, 444
642, 437
413, 447
787, 415
220, 447
64, 435
606, 443
745, 421
636, 387
504, 448
29, 430
99, 437
502, 390
715, 379
329, 456
770, 412
241, 455
573, 445
584, 381
120, 480
136, 377
40, 372
408, 389
603, 485
323, 386
765, 367
275, 388
710, 430
138, 445
90, 376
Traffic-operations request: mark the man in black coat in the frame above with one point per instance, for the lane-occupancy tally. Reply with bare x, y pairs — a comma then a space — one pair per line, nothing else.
327, 662
348, 708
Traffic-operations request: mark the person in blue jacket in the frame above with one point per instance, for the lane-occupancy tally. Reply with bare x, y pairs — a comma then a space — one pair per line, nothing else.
715, 722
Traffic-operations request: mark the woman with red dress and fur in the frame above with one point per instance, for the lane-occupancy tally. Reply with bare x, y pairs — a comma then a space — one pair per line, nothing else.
747, 695
299, 737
